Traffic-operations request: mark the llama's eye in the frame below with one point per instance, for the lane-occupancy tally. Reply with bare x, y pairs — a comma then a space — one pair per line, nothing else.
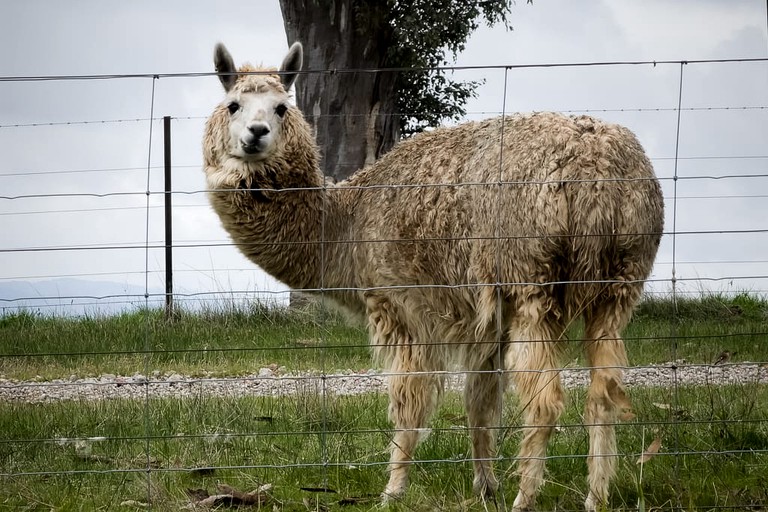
233, 107
281, 109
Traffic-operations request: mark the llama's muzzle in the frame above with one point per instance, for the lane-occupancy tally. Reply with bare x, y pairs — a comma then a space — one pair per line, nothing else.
254, 141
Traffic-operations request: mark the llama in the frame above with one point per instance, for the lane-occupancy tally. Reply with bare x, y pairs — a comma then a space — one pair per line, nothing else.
473, 246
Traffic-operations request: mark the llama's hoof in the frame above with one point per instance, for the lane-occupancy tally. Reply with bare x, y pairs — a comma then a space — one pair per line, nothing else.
593, 503
523, 503
390, 496
485, 487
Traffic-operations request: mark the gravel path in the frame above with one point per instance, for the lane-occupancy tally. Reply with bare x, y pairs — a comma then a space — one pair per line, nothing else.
277, 382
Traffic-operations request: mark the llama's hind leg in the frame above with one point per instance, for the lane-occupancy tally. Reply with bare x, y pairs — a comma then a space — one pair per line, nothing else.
606, 398
482, 400
412, 400
534, 358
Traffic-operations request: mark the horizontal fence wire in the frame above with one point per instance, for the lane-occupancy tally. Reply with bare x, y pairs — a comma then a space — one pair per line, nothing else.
328, 346
611, 64
699, 391
182, 437
324, 464
393, 186
213, 271
329, 376
364, 289
400, 114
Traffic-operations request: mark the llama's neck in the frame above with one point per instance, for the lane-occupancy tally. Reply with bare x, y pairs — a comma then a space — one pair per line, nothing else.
289, 228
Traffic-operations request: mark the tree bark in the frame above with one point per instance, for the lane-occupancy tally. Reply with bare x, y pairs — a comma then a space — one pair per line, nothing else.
351, 108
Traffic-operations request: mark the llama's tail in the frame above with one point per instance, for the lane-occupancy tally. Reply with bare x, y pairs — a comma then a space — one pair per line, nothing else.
615, 220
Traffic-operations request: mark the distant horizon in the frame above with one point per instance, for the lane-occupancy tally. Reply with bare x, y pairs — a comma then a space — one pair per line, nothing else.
78, 297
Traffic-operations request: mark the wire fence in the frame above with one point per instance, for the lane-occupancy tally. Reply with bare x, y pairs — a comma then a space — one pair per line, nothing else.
290, 397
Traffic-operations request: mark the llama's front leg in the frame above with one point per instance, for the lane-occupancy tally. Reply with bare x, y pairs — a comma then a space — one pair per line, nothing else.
482, 399
412, 400
537, 380
606, 398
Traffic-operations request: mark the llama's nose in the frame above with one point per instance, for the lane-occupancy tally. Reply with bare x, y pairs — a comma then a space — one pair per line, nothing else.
258, 130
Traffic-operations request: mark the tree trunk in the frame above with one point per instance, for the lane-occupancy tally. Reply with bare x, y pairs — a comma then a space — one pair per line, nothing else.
351, 109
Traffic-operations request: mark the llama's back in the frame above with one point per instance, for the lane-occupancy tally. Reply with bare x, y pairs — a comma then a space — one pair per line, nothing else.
562, 199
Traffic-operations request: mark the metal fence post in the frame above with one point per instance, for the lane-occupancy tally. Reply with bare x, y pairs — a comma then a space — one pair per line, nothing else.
168, 220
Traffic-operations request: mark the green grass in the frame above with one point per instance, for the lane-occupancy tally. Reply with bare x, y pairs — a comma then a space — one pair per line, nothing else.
231, 341
698, 329
715, 438
722, 462
240, 340
735, 309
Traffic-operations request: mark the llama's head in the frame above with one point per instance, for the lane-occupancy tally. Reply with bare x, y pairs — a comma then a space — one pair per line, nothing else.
255, 107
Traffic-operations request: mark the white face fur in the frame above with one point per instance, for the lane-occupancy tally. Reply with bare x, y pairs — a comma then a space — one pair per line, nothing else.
255, 120
256, 107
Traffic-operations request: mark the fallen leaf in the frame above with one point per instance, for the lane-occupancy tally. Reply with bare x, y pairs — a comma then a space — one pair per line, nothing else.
134, 503
652, 450
318, 489
228, 497
256, 497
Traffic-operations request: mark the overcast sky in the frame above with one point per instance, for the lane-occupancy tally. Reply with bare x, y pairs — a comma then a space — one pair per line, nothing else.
723, 129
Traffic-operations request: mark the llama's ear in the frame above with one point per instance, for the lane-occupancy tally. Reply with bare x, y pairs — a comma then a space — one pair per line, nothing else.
291, 65
225, 66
